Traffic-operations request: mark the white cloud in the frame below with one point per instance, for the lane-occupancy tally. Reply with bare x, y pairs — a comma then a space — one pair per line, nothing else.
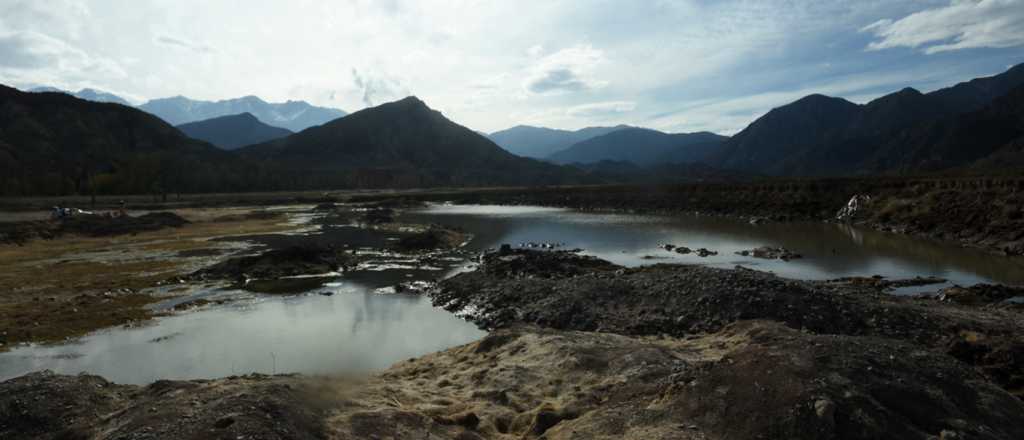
601, 109
568, 70
182, 43
33, 58
963, 24
488, 65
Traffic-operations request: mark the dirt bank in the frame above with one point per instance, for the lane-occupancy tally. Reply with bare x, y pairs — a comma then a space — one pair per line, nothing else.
564, 291
90, 225
47, 406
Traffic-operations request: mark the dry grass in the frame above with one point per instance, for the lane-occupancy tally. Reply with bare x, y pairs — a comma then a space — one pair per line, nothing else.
51, 290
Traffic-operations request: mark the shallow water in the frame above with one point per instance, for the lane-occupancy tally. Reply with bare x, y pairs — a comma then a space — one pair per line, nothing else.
357, 330
353, 330
829, 250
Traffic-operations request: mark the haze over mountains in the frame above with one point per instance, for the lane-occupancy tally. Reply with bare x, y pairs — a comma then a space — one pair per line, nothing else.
233, 131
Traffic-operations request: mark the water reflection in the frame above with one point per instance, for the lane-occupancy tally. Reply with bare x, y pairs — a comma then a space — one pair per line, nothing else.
830, 250
353, 330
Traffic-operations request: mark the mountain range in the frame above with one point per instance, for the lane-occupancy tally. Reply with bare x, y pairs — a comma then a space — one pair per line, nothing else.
86, 94
233, 131
541, 142
906, 131
641, 146
401, 144
178, 110
292, 115
56, 144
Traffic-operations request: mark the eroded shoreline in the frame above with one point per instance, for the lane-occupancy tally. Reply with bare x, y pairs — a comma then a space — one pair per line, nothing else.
582, 348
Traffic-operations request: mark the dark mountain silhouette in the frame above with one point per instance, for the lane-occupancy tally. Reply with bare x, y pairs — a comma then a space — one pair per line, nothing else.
86, 94
993, 132
642, 147
293, 115
54, 143
541, 142
234, 131
402, 144
819, 135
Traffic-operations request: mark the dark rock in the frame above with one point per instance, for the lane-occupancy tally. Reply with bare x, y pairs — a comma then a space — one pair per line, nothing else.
277, 263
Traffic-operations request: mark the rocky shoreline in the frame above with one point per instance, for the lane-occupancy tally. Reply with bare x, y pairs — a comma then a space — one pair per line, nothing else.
582, 348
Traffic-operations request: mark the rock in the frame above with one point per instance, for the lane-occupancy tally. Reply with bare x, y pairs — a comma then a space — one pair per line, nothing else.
853, 207
277, 263
378, 216
825, 410
468, 420
435, 237
683, 250
224, 422
770, 253
979, 294
703, 252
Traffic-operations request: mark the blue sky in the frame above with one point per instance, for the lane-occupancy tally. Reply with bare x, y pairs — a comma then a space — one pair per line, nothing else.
671, 65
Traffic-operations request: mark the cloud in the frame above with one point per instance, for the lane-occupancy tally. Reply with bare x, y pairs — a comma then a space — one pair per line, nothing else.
963, 24
32, 56
565, 71
182, 44
376, 89
601, 109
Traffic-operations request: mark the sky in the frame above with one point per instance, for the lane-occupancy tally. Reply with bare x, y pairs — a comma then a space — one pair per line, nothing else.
677, 66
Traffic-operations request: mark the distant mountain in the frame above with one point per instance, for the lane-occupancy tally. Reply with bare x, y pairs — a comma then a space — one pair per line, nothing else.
641, 146
401, 144
540, 142
56, 144
819, 135
86, 94
234, 131
293, 115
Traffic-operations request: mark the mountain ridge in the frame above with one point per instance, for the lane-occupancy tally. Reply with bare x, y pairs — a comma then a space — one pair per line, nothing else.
541, 142
233, 131
403, 143
824, 136
292, 115
641, 146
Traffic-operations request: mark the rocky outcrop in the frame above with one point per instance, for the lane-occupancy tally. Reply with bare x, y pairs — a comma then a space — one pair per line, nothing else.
277, 263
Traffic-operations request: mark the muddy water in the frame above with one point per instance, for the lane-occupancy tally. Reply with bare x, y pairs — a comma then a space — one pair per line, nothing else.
345, 326
353, 330
829, 250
